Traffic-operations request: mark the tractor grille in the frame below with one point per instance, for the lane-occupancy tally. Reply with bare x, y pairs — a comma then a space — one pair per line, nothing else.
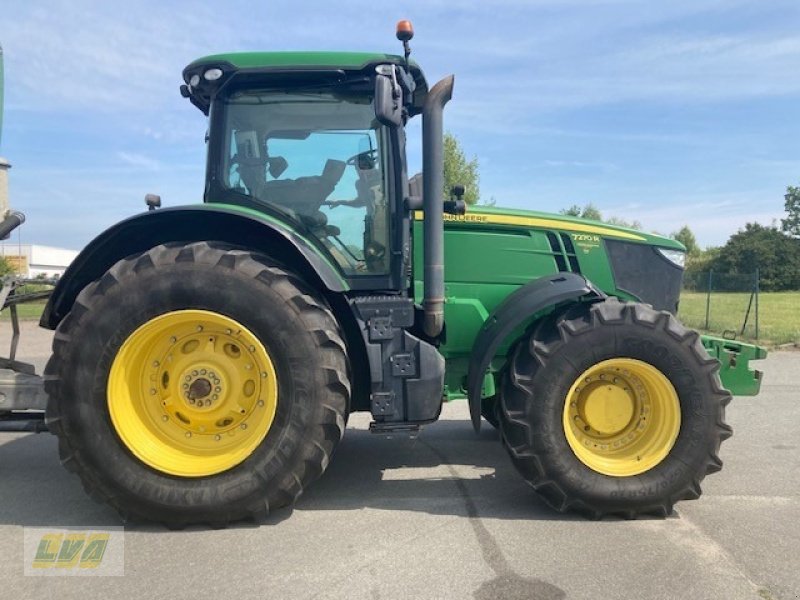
642, 271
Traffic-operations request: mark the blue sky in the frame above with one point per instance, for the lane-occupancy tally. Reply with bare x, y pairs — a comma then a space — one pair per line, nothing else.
670, 113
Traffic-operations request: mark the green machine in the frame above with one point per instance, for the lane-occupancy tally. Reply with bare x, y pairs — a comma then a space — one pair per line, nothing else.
206, 357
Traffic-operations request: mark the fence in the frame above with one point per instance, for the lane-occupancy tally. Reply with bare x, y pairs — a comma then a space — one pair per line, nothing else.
723, 303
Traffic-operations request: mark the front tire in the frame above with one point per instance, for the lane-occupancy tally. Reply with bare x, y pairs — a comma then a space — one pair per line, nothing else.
197, 383
613, 408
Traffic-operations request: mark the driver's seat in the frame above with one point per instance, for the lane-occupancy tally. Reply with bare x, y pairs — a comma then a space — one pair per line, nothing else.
305, 195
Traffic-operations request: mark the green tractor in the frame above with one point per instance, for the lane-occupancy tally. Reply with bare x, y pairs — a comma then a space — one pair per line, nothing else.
206, 357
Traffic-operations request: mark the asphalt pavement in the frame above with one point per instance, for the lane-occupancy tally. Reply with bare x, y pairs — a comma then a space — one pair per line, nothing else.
440, 516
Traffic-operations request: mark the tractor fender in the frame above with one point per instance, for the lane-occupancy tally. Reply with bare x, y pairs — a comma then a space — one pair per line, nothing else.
232, 224
512, 312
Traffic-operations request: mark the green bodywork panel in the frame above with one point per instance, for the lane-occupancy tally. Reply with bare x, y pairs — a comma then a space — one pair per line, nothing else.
490, 252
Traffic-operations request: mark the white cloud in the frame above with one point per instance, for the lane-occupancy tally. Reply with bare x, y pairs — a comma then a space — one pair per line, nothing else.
139, 161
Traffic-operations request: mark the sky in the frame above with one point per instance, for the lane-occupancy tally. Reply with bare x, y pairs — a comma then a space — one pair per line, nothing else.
669, 113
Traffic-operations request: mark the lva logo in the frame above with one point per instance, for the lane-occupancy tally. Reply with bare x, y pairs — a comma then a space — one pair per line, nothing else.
81, 550
53, 552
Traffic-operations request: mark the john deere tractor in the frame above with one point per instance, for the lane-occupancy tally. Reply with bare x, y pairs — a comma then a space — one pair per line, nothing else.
206, 357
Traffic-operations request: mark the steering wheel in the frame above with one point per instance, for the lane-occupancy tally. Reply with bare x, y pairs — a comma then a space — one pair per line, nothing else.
367, 155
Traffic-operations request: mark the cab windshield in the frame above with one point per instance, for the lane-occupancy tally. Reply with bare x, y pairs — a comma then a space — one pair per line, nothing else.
319, 158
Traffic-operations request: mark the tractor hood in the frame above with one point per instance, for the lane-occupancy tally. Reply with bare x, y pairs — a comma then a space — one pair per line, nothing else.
510, 247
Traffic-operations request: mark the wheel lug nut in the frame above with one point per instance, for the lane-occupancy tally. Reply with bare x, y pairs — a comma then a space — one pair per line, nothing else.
195, 373
218, 389
188, 378
202, 371
214, 397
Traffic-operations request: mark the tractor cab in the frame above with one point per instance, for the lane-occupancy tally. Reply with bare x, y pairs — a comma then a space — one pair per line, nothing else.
301, 136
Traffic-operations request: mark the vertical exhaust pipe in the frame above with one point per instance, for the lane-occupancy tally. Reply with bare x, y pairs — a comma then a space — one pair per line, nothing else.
432, 204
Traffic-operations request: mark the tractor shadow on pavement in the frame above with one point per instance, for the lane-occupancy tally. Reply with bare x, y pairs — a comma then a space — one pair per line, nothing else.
446, 470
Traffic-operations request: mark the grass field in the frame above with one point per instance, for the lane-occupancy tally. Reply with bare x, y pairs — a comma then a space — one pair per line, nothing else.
27, 312
778, 315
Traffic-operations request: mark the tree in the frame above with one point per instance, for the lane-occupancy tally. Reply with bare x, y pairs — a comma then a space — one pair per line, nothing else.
588, 211
6, 268
591, 212
612, 220
791, 224
772, 252
459, 170
686, 237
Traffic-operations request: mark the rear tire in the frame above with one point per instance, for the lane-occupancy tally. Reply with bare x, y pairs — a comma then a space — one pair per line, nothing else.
274, 307
613, 461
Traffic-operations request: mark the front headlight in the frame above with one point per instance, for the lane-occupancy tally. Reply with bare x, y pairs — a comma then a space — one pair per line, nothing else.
676, 257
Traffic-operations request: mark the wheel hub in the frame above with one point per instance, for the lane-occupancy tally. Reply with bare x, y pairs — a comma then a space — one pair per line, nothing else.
202, 386
607, 408
199, 389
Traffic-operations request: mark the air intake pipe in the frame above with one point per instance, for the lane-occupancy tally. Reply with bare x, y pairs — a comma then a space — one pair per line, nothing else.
432, 204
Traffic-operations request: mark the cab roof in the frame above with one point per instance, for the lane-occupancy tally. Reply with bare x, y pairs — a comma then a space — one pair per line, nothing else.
311, 63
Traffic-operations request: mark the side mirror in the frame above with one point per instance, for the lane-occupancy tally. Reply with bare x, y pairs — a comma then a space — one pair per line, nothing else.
456, 206
388, 97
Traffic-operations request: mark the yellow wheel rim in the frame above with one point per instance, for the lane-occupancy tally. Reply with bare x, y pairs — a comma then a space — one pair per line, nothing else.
192, 393
622, 417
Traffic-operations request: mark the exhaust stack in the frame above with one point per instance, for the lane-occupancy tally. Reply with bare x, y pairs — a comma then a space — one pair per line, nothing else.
433, 204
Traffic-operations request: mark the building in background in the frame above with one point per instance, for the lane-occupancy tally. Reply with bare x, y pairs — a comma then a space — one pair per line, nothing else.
33, 260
